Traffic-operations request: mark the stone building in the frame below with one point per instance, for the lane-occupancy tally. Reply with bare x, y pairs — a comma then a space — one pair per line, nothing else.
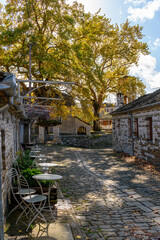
74, 126
68, 126
11, 135
106, 117
136, 127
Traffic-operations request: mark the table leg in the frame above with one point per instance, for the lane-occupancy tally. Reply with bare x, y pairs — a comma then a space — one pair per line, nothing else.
49, 198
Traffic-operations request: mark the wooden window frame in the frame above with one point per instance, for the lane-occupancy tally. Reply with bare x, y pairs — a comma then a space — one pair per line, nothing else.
129, 127
136, 127
113, 124
150, 129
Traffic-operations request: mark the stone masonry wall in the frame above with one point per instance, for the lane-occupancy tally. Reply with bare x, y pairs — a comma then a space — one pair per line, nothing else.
141, 146
122, 142
67, 127
71, 126
9, 144
85, 141
79, 123
149, 150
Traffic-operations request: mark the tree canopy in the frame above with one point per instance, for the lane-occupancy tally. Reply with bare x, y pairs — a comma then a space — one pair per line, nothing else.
70, 45
103, 53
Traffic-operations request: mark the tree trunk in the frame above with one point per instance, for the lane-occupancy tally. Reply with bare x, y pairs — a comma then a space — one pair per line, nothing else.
96, 123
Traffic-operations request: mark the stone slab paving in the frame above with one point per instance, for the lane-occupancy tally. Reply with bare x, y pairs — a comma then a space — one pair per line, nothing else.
56, 231
109, 198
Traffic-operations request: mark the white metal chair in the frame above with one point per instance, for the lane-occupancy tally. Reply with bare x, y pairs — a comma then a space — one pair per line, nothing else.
34, 203
13, 186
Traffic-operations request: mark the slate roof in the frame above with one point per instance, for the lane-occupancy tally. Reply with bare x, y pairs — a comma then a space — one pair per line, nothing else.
145, 101
82, 121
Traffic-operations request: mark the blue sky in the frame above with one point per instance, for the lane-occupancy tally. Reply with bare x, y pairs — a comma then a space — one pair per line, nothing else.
146, 13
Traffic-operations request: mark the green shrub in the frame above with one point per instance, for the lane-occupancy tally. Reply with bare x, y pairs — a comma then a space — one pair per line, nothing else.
28, 169
29, 173
23, 159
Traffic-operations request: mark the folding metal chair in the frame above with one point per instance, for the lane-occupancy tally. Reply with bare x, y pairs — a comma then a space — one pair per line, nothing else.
13, 186
34, 203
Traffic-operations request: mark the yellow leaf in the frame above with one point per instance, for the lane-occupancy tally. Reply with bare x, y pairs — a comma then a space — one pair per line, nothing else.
78, 236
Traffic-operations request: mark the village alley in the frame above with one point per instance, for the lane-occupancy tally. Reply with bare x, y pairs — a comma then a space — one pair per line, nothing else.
107, 197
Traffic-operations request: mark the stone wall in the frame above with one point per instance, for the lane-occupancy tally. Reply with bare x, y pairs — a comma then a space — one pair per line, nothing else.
84, 141
140, 146
67, 127
71, 126
9, 145
121, 140
144, 148
41, 134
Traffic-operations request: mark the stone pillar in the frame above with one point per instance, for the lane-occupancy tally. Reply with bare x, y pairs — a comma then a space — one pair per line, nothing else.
56, 131
41, 134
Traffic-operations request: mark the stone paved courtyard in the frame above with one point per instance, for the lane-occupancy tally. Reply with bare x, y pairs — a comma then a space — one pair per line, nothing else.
102, 197
108, 198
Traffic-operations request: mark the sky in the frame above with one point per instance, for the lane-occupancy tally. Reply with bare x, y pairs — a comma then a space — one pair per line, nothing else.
146, 13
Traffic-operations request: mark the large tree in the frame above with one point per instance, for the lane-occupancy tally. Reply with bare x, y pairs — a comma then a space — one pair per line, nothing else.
103, 53
68, 45
48, 26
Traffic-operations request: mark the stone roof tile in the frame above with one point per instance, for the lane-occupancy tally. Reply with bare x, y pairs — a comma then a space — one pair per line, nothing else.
145, 101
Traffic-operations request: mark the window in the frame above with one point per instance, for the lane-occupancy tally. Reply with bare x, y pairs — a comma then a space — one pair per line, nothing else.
119, 123
113, 122
3, 149
129, 128
136, 128
149, 129
104, 122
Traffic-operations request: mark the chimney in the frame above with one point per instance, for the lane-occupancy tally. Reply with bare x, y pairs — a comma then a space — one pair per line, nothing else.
120, 100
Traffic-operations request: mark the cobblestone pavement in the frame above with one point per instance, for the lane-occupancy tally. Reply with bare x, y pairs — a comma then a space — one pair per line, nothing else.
107, 197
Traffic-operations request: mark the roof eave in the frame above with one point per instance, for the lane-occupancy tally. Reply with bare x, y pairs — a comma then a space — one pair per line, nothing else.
135, 109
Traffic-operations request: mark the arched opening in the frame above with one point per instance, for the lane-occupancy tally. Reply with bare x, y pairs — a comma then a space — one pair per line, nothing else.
82, 131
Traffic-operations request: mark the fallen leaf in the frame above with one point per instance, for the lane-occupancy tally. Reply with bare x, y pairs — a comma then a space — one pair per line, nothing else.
156, 212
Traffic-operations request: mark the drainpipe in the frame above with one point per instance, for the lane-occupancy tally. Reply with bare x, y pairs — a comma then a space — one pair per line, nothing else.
1, 205
132, 134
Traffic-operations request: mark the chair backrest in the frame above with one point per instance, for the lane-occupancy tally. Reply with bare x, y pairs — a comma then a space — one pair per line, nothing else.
13, 173
23, 185
13, 177
14, 182
16, 165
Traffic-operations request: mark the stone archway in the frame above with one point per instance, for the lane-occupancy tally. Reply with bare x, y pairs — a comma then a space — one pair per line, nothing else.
82, 131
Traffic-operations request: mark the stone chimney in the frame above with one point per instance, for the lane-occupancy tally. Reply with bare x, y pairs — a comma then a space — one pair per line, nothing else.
120, 100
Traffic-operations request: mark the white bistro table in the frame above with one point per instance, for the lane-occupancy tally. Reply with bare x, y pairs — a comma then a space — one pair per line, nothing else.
48, 177
35, 152
41, 157
47, 166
